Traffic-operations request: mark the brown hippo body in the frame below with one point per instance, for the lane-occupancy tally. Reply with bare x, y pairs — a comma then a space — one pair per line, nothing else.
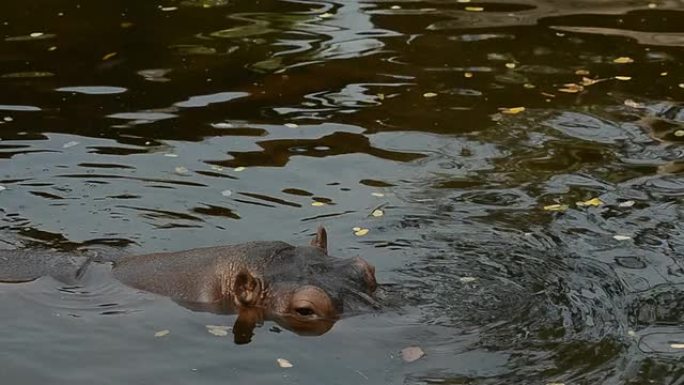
302, 288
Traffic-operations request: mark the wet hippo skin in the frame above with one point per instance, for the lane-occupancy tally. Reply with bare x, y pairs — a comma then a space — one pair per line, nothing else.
302, 288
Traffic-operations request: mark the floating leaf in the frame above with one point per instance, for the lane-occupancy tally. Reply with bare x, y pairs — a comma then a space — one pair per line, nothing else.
571, 88
168, 9
591, 202
623, 60
291, 125
412, 353
631, 333
467, 279
582, 72
226, 193
377, 194
556, 207
283, 363
429, 95
180, 170
238, 169
109, 56
360, 232
216, 167
37, 34
510, 65
70, 144
171, 155
474, 9
626, 204
512, 110
621, 237
590, 82
218, 330
377, 213
633, 104
623, 78
317, 204
162, 333
681, 85
679, 133
468, 74
222, 125
677, 346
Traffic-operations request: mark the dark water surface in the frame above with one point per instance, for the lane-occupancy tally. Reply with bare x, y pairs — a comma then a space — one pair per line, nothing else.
145, 126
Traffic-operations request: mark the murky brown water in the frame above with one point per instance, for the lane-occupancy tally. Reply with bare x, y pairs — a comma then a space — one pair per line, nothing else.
152, 126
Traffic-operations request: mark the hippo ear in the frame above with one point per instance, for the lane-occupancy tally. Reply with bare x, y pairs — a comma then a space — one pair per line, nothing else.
246, 289
321, 239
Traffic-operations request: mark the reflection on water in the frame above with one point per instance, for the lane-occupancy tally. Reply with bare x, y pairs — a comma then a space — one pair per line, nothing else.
144, 126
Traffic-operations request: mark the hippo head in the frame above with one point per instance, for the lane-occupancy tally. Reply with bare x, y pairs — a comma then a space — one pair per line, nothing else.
304, 289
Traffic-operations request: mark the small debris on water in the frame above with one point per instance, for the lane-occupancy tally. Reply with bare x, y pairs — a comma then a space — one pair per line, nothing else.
631, 333
377, 194
474, 9
429, 95
180, 170
109, 56
679, 133
162, 333
37, 34
510, 65
171, 155
216, 168
556, 207
70, 144
467, 279
317, 204
218, 330
591, 202
291, 125
621, 237
677, 346
377, 213
623, 60
360, 231
283, 363
222, 125
238, 169
512, 110
633, 104
3, 188
626, 204
622, 78
226, 193
326, 15
412, 353
168, 9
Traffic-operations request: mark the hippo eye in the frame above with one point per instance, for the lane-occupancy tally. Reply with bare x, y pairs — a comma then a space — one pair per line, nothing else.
305, 311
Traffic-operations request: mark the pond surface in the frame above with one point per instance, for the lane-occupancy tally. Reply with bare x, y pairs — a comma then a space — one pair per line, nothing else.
474, 127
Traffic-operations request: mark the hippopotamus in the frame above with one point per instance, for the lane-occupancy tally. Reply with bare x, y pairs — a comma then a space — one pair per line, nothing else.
301, 288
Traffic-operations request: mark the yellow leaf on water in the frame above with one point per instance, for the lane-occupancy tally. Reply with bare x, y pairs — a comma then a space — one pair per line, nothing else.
590, 82
623, 78
238, 169
162, 333
681, 85
377, 213
571, 88
623, 60
582, 72
512, 110
109, 56
474, 9
317, 204
283, 363
377, 194
429, 95
468, 74
591, 202
361, 232
679, 133
218, 331
556, 207
510, 65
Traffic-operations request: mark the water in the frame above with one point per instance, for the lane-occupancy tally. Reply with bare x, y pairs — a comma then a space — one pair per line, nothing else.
145, 126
